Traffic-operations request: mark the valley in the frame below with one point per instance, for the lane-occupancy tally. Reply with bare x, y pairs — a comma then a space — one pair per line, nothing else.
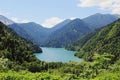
78, 49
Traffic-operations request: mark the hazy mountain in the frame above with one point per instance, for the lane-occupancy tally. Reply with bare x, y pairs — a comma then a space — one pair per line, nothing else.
20, 31
99, 20
35, 31
38, 33
67, 34
31, 31
5, 20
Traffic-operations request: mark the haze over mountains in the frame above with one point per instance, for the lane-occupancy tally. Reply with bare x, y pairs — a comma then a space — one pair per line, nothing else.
61, 34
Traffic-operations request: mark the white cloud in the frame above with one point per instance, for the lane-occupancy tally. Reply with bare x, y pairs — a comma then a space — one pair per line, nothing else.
25, 21
50, 22
113, 5
72, 18
15, 19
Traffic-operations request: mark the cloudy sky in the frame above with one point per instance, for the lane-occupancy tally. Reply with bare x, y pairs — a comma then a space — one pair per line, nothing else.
51, 12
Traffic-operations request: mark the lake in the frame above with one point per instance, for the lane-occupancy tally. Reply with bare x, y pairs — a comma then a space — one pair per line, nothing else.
56, 55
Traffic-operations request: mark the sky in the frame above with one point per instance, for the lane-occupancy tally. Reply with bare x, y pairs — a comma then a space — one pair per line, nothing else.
51, 12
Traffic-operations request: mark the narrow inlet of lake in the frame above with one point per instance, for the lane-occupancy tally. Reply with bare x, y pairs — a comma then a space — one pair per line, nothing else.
57, 55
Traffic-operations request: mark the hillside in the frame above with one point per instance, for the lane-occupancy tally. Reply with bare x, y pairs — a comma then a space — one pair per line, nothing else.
106, 40
15, 27
67, 34
14, 47
76, 45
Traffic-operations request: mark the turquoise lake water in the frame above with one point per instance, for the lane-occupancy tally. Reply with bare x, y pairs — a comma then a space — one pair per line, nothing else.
56, 55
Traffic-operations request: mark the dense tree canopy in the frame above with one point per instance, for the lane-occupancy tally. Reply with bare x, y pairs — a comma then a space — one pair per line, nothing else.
107, 39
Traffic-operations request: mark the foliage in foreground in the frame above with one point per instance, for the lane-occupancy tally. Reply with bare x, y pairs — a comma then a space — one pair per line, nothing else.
25, 75
100, 69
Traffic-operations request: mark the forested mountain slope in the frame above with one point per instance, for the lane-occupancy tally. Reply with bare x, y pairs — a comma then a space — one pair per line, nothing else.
76, 45
106, 40
67, 34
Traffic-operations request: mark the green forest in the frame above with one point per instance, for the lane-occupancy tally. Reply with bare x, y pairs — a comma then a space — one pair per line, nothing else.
101, 54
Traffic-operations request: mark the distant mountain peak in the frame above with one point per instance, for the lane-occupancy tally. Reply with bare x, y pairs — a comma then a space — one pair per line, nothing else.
77, 20
60, 25
31, 22
99, 20
98, 14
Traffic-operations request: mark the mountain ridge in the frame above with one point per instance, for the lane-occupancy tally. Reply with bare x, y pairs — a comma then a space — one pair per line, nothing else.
99, 20
39, 34
68, 33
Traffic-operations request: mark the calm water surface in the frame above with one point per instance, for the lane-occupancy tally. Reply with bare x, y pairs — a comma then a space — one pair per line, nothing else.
56, 55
